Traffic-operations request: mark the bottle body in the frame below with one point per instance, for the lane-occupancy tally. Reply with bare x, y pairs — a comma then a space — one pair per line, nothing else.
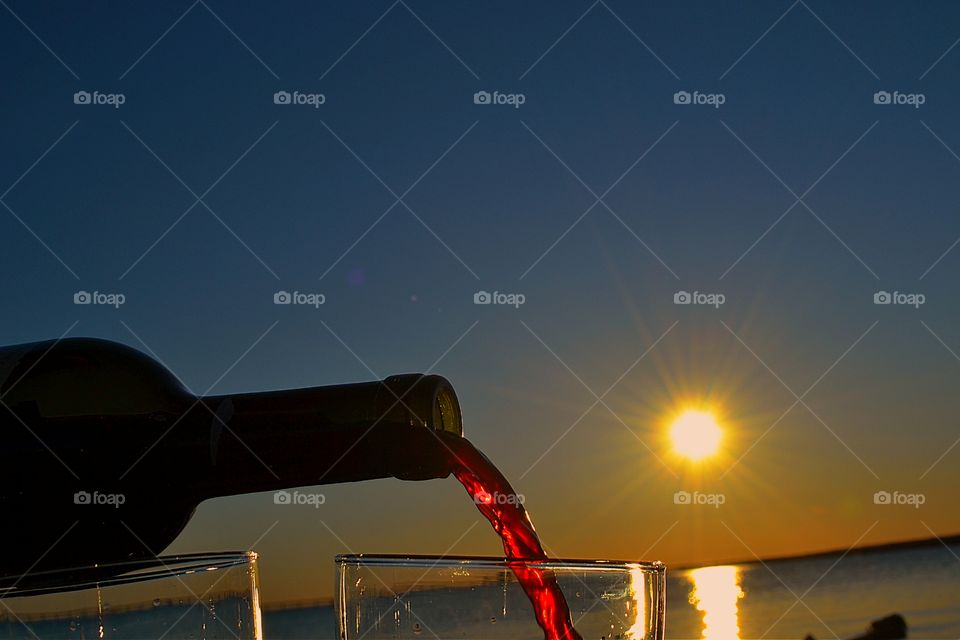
105, 455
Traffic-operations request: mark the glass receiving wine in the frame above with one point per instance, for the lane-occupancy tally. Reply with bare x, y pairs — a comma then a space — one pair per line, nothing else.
420, 597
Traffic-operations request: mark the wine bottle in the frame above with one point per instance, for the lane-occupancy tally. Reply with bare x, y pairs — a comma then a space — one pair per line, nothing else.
104, 456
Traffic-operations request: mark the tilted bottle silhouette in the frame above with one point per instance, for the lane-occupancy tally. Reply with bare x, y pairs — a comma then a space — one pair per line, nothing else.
104, 456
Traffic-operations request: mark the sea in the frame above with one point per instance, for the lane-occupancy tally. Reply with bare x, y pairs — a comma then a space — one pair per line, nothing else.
826, 596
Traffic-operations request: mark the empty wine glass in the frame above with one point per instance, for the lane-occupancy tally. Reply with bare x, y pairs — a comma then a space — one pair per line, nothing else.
210, 596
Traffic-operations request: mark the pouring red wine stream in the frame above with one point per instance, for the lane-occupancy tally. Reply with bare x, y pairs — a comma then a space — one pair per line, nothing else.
492, 494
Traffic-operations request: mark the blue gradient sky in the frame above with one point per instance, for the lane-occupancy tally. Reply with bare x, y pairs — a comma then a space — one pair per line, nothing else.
599, 81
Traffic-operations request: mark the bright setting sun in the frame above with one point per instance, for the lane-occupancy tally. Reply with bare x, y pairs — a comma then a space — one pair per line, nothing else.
695, 434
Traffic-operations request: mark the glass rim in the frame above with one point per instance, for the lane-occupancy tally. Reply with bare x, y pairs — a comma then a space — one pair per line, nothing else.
495, 562
120, 573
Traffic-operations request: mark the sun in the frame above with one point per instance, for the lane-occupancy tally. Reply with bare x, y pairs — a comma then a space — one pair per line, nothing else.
695, 434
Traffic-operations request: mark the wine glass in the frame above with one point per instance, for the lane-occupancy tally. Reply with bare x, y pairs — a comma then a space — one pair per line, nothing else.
423, 597
211, 596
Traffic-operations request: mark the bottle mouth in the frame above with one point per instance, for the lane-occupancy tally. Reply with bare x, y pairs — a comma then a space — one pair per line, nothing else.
423, 401
446, 412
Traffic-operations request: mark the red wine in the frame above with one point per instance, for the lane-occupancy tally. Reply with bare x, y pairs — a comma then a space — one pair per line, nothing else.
498, 502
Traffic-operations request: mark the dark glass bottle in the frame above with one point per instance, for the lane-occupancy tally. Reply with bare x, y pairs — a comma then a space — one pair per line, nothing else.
104, 455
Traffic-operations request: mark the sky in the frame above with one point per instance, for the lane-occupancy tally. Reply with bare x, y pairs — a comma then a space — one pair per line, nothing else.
591, 163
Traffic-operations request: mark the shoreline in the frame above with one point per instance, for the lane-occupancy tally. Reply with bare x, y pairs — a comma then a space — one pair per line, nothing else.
901, 545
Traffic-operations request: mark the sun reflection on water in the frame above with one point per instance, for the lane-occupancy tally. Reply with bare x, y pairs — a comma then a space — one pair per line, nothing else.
716, 592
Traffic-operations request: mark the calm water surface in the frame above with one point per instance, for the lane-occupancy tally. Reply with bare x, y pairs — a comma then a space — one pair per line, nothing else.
756, 601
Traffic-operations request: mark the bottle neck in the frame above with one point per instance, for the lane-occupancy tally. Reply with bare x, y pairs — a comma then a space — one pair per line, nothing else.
326, 435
